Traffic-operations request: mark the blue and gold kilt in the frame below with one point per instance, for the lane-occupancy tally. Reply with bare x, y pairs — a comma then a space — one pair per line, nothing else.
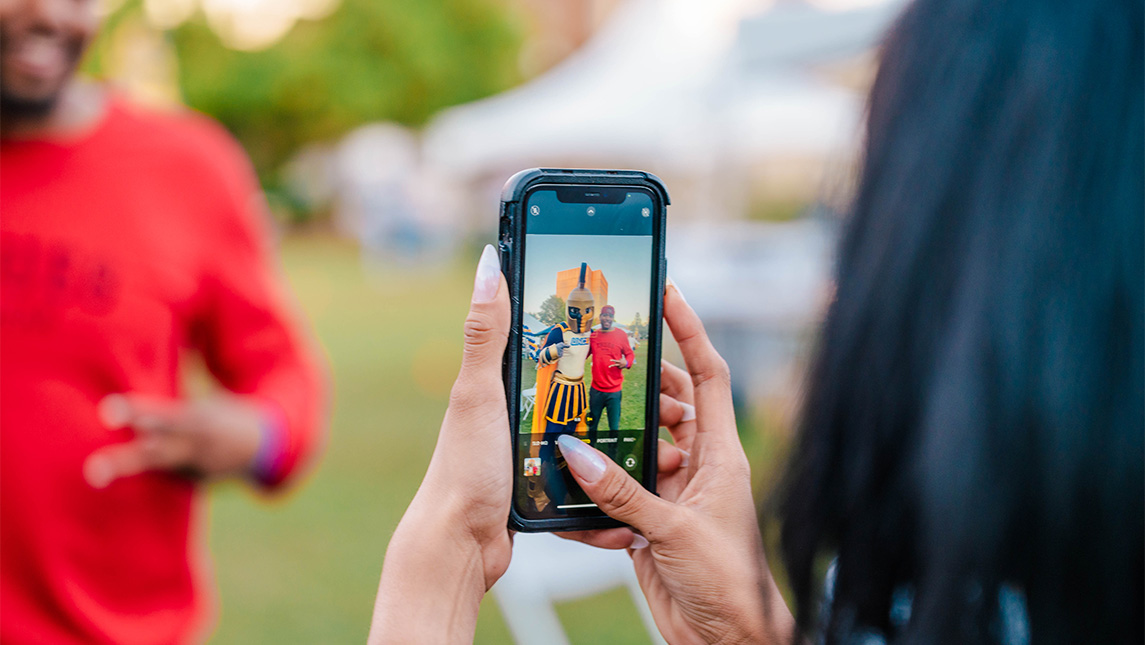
567, 400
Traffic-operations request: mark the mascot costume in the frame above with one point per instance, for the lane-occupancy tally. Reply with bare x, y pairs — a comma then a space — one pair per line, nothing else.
561, 404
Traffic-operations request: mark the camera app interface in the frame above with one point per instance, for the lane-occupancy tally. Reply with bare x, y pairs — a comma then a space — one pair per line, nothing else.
586, 303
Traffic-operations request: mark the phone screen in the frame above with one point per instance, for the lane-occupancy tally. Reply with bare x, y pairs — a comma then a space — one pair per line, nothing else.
586, 306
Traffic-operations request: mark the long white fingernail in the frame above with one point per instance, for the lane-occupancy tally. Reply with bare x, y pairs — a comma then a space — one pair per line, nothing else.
638, 542
488, 278
689, 412
583, 460
686, 459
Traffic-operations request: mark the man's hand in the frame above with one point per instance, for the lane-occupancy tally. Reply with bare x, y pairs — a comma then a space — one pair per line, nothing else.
212, 437
619, 362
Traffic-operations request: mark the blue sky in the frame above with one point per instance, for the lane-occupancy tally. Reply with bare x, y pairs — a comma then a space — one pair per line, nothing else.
626, 261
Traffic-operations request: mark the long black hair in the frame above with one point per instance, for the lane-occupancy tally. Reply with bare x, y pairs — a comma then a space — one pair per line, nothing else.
974, 419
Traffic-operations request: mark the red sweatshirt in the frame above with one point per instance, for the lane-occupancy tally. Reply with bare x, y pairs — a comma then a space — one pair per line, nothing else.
120, 250
606, 346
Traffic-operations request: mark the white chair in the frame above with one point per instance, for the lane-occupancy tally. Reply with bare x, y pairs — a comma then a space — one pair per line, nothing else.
528, 397
546, 570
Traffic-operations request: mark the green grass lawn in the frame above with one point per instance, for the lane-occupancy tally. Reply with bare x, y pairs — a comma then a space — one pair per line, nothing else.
304, 567
632, 392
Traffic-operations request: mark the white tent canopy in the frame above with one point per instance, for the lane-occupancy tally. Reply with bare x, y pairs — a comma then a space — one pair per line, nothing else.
670, 81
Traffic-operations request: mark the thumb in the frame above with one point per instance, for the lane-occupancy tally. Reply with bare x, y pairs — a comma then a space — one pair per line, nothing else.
487, 325
615, 491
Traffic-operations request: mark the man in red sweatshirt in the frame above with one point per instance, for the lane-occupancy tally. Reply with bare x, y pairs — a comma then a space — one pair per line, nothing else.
611, 352
128, 240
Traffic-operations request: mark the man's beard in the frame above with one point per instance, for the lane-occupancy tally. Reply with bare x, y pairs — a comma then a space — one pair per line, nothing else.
20, 108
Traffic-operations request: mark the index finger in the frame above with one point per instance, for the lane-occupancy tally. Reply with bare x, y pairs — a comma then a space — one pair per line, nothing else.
676, 383
677, 416
711, 380
141, 411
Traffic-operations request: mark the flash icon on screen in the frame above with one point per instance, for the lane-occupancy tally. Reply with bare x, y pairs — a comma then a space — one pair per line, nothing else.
536, 210
645, 212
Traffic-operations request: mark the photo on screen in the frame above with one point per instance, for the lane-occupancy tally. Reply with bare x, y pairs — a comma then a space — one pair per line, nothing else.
584, 329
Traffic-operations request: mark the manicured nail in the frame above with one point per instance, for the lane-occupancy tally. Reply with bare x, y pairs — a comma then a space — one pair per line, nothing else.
97, 473
638, 542
114, 411
488, 278
686, 459
672, 283
689, 412
583, 460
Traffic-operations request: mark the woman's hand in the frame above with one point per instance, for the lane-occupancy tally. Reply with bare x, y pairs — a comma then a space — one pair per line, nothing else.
453, 542
699, 555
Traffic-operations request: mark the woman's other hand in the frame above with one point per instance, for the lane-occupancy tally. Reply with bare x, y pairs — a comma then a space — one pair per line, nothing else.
453, 542
698, 555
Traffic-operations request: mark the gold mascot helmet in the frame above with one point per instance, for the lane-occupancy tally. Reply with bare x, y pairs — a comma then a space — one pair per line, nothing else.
579, 306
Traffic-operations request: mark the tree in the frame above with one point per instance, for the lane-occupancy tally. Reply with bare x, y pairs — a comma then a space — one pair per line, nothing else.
368, 61
552, 310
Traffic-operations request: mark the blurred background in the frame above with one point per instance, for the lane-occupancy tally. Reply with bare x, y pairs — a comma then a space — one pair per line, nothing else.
382, 132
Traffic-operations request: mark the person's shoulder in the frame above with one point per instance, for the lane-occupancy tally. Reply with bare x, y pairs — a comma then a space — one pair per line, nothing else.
178, 128
197, 158
555, 335
179, 133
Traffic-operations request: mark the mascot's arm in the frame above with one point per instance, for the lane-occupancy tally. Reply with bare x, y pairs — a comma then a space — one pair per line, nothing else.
553, 347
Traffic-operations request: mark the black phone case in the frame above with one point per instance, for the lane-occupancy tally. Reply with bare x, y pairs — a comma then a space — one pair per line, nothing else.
512, 265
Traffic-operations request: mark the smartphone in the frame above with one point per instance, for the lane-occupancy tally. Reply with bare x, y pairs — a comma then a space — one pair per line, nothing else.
583, 253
